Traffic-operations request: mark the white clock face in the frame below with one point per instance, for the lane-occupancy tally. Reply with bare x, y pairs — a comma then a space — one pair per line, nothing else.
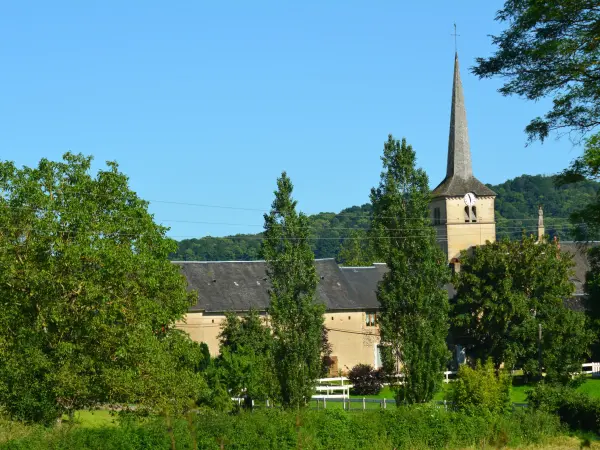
470, 199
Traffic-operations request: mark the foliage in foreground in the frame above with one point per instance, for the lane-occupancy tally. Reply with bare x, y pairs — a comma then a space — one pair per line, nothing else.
480, 390
413, 319
592, 299
576, 409
505, 291
245, 365
417, 427
88, 297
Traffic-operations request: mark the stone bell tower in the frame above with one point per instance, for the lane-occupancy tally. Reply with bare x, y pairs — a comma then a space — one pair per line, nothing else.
462, 208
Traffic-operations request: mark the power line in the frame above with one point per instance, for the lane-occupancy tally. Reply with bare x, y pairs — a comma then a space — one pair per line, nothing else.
362, 214
426, 233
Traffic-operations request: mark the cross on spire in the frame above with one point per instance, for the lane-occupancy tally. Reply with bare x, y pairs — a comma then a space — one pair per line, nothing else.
455, 41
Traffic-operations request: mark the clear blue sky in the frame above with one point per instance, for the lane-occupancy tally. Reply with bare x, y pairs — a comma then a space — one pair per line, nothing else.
207, 102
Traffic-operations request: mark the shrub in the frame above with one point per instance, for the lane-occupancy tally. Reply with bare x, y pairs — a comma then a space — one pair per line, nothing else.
480, 390
412, 427
365, 379
576, 409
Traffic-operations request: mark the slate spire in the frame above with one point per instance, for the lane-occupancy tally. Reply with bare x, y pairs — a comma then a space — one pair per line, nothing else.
459, 171
459, 152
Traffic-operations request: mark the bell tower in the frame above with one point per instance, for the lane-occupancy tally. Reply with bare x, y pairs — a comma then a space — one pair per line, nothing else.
462, 207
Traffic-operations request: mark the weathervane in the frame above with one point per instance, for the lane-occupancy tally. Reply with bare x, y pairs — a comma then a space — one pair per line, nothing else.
455, 35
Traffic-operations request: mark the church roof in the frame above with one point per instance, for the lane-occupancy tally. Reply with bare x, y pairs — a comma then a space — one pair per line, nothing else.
579, 252
241, 285
459, 172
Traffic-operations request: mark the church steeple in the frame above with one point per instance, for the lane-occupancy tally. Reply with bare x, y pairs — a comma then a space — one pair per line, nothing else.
459, 153
459, 172
462, 207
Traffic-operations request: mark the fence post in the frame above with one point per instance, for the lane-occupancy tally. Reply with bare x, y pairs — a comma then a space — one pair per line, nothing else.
267, 403
252, 404
324, 403
384, 404
364, 404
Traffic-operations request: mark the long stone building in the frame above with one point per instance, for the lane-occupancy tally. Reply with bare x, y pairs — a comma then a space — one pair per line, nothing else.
462, 211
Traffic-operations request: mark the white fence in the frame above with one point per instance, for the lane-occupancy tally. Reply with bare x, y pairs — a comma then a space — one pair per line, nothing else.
592, 368
326, 389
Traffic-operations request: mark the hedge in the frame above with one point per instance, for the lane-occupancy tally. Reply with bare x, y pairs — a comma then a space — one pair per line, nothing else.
402, 428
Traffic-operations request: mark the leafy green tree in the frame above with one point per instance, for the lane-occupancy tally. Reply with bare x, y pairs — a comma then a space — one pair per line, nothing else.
246, 363
592, 299
413, 320
551, 49
296, 317
356, 250
505, 291
89, 299
481, 389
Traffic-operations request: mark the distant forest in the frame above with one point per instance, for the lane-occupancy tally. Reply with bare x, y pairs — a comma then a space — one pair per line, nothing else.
516, 211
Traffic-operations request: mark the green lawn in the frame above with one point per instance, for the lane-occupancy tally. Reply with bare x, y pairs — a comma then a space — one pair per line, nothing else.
591, 386
103, 417
93, 419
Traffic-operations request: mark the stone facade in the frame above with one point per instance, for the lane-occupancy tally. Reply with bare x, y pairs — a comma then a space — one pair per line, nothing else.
454, 232
352, 337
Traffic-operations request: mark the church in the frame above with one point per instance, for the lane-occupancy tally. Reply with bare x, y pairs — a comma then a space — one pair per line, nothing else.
462, 212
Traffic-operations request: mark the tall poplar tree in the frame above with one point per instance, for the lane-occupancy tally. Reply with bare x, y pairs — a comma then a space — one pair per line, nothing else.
296, 317
413, 321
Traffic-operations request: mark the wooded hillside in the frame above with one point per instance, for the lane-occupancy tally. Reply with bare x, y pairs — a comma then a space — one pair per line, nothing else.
516, 210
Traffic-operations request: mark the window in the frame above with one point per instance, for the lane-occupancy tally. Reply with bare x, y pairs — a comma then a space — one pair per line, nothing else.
470, 214
371, 319
378, 359
437, 216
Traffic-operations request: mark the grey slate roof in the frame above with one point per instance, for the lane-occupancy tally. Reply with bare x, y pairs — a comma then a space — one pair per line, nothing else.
239, 286
459, 172
579, 252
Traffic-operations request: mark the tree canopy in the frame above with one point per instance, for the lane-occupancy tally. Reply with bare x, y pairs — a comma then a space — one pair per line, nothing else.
89, 298
296, 317
413, 317
246, 365
505, 291
550, 49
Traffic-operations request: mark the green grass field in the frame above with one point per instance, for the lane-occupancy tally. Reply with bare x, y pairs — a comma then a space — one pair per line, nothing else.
93, 419
591, 386
98, 418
